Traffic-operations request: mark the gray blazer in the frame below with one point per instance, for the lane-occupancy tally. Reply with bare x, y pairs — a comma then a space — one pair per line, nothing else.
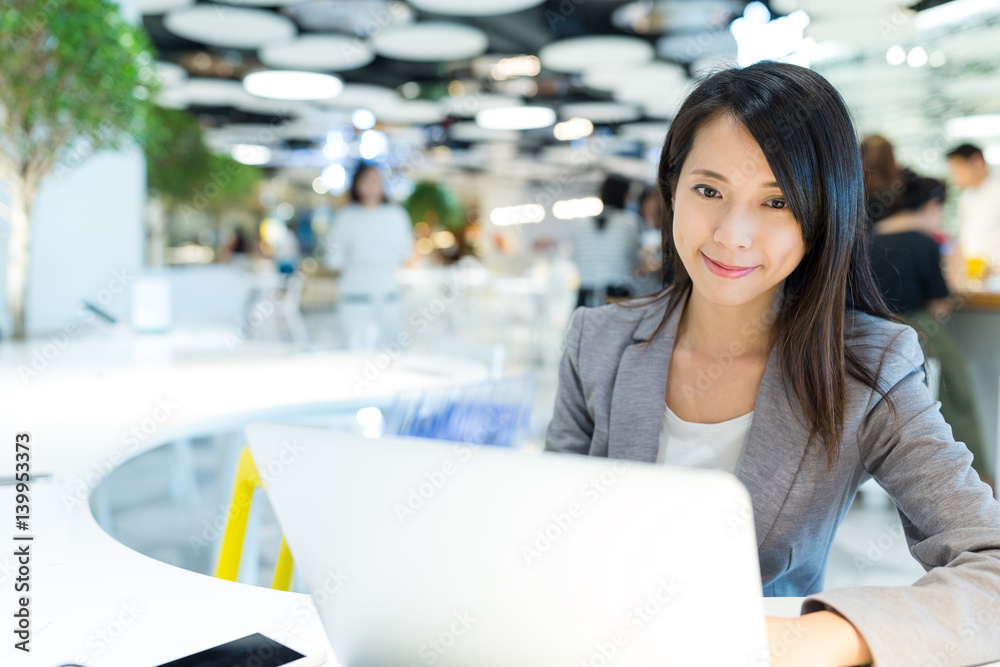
610, 403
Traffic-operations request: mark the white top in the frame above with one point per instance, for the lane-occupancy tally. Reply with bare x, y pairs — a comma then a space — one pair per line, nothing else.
716, 446
367, 244
606, 256
979, 221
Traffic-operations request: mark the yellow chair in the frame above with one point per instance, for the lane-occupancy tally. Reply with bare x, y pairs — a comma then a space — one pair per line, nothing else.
228, 567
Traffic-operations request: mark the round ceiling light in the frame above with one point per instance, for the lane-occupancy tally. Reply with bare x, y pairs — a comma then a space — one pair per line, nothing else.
292, 85
156, 6
259, 3
170, 74
419, 112
477, 8
582, 53
364, 95
653, 75
430, 41
252, 154
232, 27
516, 118
600, 112
318, 52
211, 92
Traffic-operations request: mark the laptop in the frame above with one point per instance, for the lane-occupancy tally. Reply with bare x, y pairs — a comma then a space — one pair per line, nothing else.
427, 553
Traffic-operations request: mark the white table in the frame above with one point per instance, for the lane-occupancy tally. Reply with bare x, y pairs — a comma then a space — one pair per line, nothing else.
93, 600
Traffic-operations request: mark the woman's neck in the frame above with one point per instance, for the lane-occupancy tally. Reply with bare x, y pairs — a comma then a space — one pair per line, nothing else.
712, 329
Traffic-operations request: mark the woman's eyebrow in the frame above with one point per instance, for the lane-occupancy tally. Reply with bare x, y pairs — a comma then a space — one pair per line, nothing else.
718, 176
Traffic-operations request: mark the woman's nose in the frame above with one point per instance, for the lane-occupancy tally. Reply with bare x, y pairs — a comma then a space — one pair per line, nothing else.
735, 229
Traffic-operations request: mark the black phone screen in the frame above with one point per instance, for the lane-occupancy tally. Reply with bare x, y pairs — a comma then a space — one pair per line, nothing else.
254, 650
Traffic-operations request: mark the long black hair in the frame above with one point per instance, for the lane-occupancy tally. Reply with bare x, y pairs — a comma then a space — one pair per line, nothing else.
805, 132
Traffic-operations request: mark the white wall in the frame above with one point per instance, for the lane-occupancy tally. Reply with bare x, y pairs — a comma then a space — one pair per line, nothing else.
87, 239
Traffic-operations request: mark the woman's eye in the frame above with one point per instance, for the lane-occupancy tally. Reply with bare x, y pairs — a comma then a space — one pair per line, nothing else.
778, 204
706, 191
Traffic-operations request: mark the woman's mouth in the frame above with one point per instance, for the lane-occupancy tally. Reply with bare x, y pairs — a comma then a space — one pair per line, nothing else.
726, 271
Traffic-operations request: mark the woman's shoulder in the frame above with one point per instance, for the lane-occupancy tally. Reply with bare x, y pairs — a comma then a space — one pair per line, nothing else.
891, 347
633, 319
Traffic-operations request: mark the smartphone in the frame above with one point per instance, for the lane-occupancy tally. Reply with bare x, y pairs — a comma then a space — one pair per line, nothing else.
256, 650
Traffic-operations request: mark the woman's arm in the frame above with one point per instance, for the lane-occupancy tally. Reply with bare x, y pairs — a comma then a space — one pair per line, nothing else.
950, 616
820, 639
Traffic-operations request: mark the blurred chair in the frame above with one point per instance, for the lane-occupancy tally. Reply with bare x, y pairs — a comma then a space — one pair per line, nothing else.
276, 298
231, 551
495, 412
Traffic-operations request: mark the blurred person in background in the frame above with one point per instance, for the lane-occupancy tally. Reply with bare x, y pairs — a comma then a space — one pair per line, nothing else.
907, 267
650, 276
368, 241
885, 179
885, 184
287, 251
978, 206
606, 249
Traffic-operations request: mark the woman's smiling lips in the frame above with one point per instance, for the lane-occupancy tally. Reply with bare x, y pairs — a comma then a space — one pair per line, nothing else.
727, 271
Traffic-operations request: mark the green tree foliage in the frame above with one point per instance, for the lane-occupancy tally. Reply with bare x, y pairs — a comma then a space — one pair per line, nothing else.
183, 172
74, 78
436, 205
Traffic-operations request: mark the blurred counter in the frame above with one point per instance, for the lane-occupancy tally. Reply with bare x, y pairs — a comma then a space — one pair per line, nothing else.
975, 324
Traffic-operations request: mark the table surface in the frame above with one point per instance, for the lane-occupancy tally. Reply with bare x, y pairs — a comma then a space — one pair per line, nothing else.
980, 300
95, 601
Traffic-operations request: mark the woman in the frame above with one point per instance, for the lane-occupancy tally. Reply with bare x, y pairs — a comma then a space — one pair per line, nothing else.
885, 180
907, 266
606, 250
772, 323
369, 240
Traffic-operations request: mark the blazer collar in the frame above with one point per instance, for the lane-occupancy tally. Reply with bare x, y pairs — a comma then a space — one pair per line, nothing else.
776, 440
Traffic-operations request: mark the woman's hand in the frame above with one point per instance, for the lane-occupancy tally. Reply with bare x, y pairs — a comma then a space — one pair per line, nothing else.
820, 639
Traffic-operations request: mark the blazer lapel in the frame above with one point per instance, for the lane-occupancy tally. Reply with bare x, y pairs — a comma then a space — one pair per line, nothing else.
637, 402
775, 446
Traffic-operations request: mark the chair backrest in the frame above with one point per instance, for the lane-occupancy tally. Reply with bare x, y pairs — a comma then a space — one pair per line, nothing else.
493, 412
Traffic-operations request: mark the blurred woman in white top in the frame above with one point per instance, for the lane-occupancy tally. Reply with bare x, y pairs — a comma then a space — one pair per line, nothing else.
606, 249
368, 241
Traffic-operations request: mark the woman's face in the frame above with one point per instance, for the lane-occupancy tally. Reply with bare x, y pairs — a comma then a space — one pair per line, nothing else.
369, 187
732, 227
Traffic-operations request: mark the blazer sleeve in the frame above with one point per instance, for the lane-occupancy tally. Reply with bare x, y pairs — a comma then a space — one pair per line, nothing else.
951, 615
572, 426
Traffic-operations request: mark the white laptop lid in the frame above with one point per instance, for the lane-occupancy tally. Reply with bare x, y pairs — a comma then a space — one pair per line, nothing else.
420, 552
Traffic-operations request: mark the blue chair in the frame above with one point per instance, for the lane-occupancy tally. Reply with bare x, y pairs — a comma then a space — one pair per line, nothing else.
493, 412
